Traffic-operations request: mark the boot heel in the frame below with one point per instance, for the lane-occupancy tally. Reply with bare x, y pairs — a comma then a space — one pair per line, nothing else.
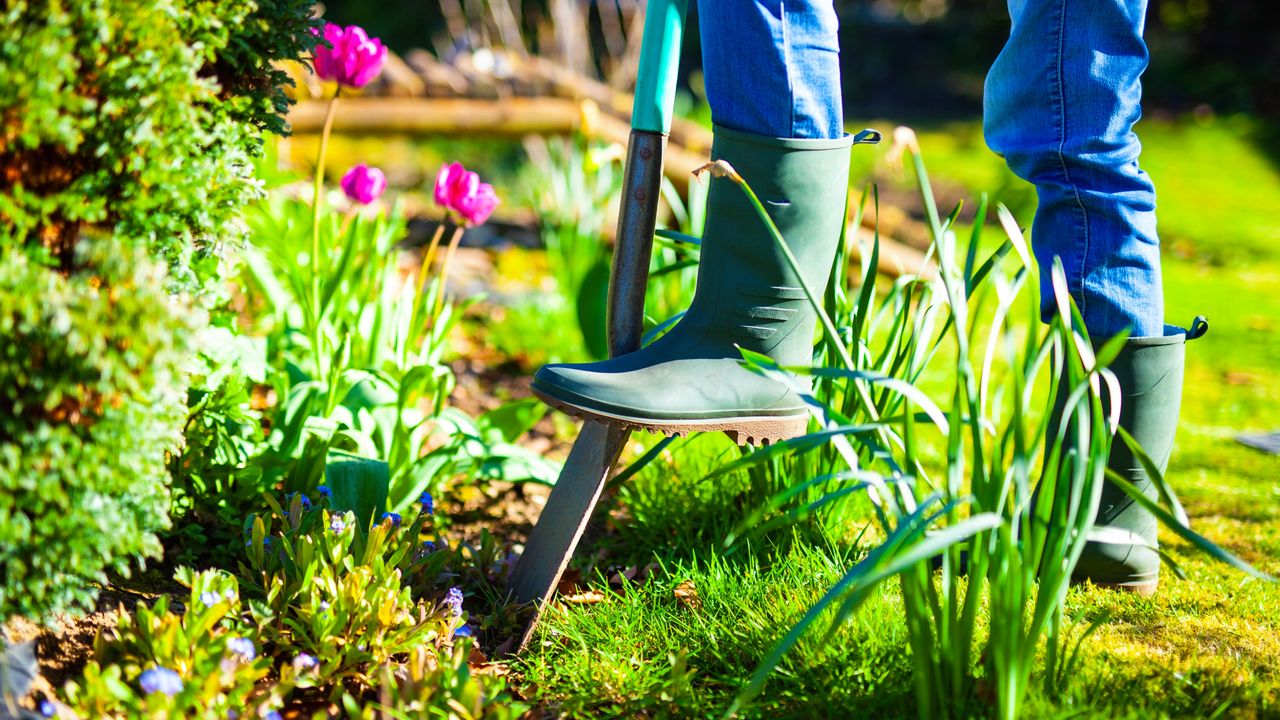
767, 431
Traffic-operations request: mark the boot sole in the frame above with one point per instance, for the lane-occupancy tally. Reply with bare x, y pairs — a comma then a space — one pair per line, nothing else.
745, 430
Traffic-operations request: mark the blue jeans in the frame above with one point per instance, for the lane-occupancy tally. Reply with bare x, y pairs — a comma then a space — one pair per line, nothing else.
1060, 104
772, 67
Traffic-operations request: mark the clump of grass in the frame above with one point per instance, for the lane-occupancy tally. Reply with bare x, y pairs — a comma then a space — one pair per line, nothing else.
1009, 512
649, 650
1199, 648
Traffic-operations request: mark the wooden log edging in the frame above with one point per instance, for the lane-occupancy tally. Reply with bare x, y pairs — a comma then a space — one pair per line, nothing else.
511, 117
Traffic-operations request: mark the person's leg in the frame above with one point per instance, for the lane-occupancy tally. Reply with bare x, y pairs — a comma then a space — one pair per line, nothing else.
1061, 101
1060, 104
772, 67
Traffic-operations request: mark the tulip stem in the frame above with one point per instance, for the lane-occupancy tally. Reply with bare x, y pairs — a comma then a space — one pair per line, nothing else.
347, 219
317, 201
423, 287
431, 248
444, 272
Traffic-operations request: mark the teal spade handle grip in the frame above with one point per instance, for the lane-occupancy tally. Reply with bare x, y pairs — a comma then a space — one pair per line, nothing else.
659, 61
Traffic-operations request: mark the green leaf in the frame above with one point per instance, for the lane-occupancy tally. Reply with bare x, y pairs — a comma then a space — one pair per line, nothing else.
673, 267
797, 445
780, 499
902, 387
677, 237
514, 419
661, 328
592, 305
367, 393
865, 575
1156, 477
1014, 232
359, 485
634, 468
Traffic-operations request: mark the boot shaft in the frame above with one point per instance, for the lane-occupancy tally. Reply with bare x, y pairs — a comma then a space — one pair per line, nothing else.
747, 293
1149, 373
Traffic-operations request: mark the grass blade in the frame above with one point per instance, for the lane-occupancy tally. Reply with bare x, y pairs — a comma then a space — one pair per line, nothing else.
1156, 477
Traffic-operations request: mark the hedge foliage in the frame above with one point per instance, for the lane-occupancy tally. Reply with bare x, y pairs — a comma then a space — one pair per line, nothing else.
139, 118
92, 395
127, 134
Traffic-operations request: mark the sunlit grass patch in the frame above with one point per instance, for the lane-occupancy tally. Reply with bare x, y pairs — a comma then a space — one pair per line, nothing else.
619, 657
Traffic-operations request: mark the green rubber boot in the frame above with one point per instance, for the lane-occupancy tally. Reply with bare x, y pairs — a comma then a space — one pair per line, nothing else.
691, 378
1149, 371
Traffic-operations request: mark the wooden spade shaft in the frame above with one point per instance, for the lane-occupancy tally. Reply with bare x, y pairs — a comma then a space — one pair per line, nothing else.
568, 509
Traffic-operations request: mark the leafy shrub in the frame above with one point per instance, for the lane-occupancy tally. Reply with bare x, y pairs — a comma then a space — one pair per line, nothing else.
92, 396
133, 123
138, 118
321, 614
217, 671
340, 594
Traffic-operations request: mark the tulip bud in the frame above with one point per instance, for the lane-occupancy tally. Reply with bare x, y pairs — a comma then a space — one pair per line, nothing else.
352, 57
363, 184
460, 191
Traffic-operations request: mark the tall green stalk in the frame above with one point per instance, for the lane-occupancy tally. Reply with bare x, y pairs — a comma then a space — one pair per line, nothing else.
313, 324
1000, 520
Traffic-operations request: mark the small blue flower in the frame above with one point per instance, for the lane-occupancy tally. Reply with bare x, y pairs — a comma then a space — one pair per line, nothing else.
324, 606
325, 492
47, 708
272, 715
337, 525
243, 647
426, 548
463, 630
210, 598
393, 518
230, 595
453, 599
304, 661
233, 715
162, 680
428, 503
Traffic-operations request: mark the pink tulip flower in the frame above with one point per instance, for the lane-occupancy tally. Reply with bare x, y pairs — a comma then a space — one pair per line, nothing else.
364, 184
460, 191
478, 206
352, 58
450, 175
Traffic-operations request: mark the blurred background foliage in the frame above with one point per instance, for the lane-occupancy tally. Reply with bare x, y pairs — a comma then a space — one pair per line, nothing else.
1216, 56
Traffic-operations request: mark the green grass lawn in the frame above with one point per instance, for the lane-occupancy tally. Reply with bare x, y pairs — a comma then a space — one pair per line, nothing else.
1208, 646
